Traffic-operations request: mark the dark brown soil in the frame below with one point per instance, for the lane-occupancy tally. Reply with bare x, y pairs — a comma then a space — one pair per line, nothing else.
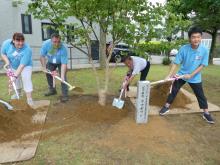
90, 110
79, 109
19, 104
82, 111
160, 92
15, 123
86, 108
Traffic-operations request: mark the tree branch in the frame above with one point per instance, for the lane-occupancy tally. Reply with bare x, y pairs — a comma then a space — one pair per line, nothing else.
93, 30
88, 45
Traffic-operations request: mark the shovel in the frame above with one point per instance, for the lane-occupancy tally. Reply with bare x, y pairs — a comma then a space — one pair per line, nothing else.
164, 81
117, 102
10, 74
77, 89
7, 105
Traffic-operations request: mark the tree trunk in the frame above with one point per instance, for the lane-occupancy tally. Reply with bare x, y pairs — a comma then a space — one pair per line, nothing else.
102, 97
103, 65
211, 53
182, 34
102, 49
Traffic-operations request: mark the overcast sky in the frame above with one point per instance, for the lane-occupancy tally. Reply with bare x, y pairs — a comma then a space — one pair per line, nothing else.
160, 1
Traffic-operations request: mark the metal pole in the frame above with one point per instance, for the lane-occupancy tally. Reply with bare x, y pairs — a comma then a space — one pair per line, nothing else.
71, 63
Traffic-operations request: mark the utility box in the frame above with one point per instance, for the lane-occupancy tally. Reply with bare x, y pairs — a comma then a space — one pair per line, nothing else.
142, 102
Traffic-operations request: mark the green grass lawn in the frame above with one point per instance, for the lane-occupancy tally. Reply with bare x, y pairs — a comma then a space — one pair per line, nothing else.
83, 78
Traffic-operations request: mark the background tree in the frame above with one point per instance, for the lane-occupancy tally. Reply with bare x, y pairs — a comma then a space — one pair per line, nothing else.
205, 14
126, 20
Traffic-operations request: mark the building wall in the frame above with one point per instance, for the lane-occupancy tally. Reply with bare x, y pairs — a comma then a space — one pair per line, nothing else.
10, 18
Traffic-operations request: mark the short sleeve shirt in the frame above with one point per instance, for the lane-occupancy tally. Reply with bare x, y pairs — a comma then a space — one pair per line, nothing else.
190, 59
22, 56
54, 55
138, 64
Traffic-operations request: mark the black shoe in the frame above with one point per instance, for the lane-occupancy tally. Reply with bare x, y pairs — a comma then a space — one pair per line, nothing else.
50, 93
208, 118
64, 99
164, 110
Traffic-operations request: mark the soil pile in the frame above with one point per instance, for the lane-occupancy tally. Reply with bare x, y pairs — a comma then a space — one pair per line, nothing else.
160, 92
83, 112
19, 104
91, 111
15, 123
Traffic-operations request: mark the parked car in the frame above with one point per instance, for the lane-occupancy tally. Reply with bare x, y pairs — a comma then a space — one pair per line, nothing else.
173, 52
121, 49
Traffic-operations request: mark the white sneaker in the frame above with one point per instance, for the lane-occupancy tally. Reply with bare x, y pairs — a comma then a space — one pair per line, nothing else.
30, 102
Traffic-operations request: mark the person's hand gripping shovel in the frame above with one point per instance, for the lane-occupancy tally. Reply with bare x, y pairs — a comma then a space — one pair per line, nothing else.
10, 74
77, 89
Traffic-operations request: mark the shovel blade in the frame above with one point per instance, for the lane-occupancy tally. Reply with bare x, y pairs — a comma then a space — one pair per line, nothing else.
118, 103
78, 89
7, 105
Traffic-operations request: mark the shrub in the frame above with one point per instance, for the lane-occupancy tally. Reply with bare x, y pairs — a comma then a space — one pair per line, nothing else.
166, 61
156, 47
216, 51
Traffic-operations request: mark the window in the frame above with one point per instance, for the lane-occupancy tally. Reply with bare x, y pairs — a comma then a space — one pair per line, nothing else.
70, 35
47, 30
26, 24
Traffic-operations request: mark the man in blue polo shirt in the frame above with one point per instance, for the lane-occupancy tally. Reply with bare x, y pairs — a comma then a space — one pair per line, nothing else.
56, 54
192, 58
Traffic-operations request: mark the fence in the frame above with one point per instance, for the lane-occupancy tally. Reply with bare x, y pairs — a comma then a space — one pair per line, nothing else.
75, 57
207, 43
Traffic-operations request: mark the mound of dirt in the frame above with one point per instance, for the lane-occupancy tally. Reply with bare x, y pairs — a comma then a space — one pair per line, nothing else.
15, 123
82, 112
91, 111
86, 108
160, 92
19, 104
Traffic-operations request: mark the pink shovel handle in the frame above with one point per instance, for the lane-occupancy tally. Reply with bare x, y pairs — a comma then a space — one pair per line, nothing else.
163, 81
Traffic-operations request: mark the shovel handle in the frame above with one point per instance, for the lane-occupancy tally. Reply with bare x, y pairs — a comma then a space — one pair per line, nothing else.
7, 67
15, 89
58, 78
122, 90
70, 86
163, 81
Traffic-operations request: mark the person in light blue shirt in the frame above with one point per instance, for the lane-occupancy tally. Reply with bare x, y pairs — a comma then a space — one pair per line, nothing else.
54, 51
18, 56
192, 58
54, 55
188, 56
